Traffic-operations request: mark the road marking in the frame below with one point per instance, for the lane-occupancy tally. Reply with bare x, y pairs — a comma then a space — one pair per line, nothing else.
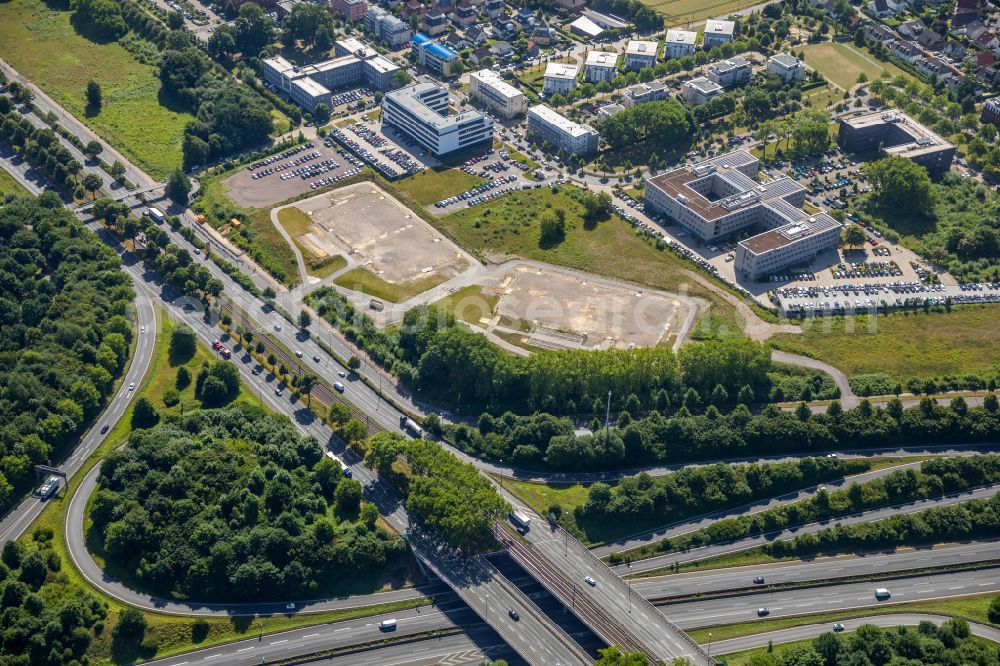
212, 656
240, 650
283, 640
310, 636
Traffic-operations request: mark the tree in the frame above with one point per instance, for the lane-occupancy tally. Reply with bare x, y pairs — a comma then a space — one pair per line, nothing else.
183, 344
117, 171
93, 95
900, 183
613, 656
853, 235
994, 611
144, 414
306, 385
130, 628
353, 363
551, 230
305, 319
91, 183
178, 186
321, 114
665, 124
222, 43
253, 29
810, 131
347, 496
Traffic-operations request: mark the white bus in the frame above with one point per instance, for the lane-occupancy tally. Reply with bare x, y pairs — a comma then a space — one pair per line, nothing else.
156, 215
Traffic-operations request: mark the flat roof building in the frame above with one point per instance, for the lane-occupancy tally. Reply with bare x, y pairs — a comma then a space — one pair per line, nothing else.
313, 84
502, 98
732, 72
720, 196
421, 112
699, 90
641, 93
717, 32
640, 53
436, 57
895, 133
561, 132
991, 111
600, 66
559, 78
352, 10
786, 67
387, 28
679, 43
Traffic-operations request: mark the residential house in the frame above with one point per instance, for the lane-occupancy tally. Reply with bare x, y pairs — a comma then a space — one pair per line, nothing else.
877, 32
480, 56
544, 34
786, 67
641, 93
413, 8
475, 35
930, 40
731, 72
717, 32
987, 40
608, 110
885, 8
493, 9
571, 5
679, 43
455, 41
955, 50
907, 51
560, 77
600, 66
504, 30
434, 24
464, 16
525, 18
910, 29
699, 90
639, 54
501, 50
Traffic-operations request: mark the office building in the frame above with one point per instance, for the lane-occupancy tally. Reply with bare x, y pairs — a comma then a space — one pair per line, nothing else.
640, 93
564, 134
717, 32
600, 66
991, 111
387, 28
436, 57
559, 78
352, 10
639, 54
786, 67
499, 96
699, 90
421, 112
679, 43
720, 196
895, 133
730, 73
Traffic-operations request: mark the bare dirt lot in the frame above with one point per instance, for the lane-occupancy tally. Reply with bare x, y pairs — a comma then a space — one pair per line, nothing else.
558, 309
377, 233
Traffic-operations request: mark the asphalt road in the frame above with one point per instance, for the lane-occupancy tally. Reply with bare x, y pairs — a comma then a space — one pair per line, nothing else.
713, 550
311, 640
19, 519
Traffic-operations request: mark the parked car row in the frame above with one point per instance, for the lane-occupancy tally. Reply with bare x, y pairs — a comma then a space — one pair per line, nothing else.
369, 135
366, 155
313, 170
334, 179
863, 269
476, 192
277, 158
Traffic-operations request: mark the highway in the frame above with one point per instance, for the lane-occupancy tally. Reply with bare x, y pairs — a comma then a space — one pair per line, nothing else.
713, 550
310, 640
20, 518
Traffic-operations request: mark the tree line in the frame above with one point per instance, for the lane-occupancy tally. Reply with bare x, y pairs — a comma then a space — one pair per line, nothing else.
447, 494
868, 645
40, 147
65, 330
233, 504
935, 477
655, 438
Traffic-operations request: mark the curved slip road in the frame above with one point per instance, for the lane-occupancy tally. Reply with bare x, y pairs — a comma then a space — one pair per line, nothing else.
848, 399
20, 518
712, 550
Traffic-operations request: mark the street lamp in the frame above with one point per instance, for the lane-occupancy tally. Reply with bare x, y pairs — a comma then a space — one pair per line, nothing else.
710, 644
628, 583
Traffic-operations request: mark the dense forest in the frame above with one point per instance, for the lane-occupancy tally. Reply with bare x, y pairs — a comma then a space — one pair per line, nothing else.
935, 477
234, 504
448, 495
951, 643
542, 440
65, 330
446, 363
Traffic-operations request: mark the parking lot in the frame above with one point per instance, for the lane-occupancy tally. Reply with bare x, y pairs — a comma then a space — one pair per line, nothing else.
503, 175
843, 298
366, 143
293, 172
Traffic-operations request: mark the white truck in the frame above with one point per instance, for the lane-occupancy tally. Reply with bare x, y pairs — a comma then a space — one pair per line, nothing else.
49, 488
521, 521
343, 466
156, 215
410, 426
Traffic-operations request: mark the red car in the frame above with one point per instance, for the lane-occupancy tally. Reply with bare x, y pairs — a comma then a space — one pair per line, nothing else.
216, 345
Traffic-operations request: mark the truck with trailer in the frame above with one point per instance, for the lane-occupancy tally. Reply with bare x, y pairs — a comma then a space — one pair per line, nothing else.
343, 466
410, 426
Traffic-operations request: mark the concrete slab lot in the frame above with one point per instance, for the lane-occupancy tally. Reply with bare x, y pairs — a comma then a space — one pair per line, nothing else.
271, 189
379, 234
559, 309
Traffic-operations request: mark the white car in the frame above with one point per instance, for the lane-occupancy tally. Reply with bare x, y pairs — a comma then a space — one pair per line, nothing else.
298, 353
338, 386
131, 387
590, 581
289, 606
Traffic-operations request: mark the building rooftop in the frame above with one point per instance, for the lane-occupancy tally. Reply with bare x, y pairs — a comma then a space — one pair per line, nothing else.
587, 27
638, 47
916, 139
382, 64
601, 59
561, 122
681, 37
789, 233
643, 88
496, 82
729, 64
605, 20
311, 86
717, 27
411, 98
561, 70
785, 60
354, 45
703, 84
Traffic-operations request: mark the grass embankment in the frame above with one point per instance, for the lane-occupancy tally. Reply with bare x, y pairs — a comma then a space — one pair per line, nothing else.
972, 608
135, 117
297, 224
510, 225
904, 345
363, 280
431, 185
842, 63
257, 234
470, 304
10, 186
170, 634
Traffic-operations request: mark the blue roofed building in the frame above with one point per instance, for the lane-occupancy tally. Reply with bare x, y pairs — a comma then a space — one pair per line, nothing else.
436, 57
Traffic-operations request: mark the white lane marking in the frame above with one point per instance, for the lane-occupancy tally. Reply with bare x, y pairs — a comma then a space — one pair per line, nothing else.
283, 640
240, 650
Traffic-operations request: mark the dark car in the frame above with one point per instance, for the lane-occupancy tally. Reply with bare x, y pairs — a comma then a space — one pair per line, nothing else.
513, 615
759, 580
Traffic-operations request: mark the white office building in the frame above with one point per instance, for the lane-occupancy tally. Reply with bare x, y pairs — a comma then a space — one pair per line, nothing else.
679, 43
700, 89
561, 132
502, 98
639, 54
732, 72
560, 78
313, 84
717, 32
640, 93
600, 66
421, 112
786, 67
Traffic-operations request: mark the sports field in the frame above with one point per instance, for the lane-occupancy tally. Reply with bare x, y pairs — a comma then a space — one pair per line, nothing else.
842, 63
39, 41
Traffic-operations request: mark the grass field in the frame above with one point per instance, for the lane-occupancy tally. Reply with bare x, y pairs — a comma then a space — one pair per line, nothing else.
363, 280
842, 63
42, 45
430, 185
679, 12
469, 304
510, 224
972, 608
8, 185
905, 345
